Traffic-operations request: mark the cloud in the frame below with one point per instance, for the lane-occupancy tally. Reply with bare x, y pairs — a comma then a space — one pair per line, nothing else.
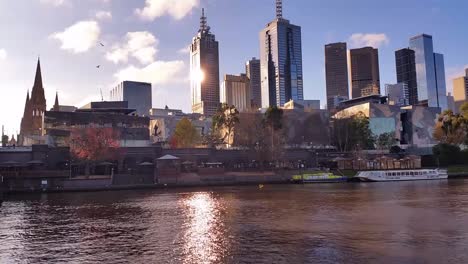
140, 45
103, 15
185, 50
55, 2
158, 73
178, 9
3, 54
359, 40
79, 37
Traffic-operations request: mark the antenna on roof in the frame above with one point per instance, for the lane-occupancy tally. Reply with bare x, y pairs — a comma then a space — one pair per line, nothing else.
102, 97
279, 9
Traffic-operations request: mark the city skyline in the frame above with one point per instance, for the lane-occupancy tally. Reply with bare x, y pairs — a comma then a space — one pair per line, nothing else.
71, 69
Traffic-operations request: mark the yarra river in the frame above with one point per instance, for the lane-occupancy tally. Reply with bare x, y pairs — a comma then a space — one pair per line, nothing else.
401, 222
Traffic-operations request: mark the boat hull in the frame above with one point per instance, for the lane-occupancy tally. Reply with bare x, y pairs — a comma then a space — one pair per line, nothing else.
402, 175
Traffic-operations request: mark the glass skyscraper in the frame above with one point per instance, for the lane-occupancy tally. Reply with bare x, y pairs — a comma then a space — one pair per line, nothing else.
281, 62
204, 70
430, 72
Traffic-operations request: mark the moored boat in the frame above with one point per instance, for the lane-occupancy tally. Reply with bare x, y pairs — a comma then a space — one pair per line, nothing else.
403, 175
318, 178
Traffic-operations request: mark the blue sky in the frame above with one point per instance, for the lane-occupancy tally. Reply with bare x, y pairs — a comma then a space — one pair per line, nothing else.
147, 44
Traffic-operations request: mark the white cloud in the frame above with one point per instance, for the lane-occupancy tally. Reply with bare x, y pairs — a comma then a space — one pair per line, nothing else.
158, 73
3, 54
79, 37
185, 50
103, 15
178, 9
140, 45
55, 2
359, 40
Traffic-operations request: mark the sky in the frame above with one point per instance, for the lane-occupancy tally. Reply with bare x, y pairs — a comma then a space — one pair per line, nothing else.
147, 40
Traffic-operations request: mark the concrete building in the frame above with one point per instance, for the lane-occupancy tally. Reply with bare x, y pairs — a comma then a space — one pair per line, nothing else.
133, 131
138, 95
281, 61
336, 72
252, 70
204, 70
365, 74
460, 91
303, 105
430, 72
235, 90
451, 103
398, 94
406, 73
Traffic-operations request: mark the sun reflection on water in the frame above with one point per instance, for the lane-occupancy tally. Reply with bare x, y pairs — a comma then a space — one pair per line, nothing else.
203, 240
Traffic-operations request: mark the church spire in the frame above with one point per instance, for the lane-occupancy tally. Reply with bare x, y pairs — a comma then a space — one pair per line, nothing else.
38, 77
56, 104
37, 93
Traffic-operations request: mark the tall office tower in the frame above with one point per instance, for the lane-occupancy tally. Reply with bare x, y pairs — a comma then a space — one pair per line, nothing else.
460, 91
398, 94
406, 73
204, 70
336, 71
235, 91
252, 69
365, 75
137, 94
429, 72
281, 61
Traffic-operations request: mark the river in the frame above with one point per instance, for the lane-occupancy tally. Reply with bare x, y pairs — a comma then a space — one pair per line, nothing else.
401, 222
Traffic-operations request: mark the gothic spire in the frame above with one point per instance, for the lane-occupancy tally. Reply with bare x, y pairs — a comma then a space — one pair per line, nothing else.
38, 77
37, 93
56, 104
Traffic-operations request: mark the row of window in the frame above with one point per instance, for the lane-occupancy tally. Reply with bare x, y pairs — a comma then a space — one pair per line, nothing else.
408, 173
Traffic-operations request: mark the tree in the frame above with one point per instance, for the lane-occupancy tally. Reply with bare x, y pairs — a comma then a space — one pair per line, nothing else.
185, 135
224, 122
352, 133
447, 154
385, 141
94, 144
452, 128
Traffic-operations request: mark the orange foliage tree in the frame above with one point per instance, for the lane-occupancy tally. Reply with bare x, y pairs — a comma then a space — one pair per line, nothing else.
94, 144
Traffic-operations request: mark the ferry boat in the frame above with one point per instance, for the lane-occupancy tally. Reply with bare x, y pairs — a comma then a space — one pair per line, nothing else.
318, 178
403, 175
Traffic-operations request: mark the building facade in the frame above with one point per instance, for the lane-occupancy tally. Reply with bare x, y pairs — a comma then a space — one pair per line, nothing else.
460, 91
281, 62
236, 91
430, 72
137, 94
204, 70
365, 73
336, 72
398, 94
252, 69
406, 73
34, 108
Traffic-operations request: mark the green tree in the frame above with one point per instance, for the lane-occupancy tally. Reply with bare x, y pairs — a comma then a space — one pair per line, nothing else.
273, 122
385, 141
185, 135
447, 154
352, 133
224, 122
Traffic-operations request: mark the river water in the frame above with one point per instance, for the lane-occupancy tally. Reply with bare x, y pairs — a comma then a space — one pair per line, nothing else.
402, 222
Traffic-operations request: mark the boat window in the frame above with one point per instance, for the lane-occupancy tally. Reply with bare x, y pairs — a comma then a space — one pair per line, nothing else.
411, 173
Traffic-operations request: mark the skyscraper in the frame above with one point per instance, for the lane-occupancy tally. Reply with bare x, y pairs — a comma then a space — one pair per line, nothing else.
137, 94
365, 74
406, 73
236, 91
460, 91
430, 72
281, 61
252, 69
34, 108
204, 70
336, 71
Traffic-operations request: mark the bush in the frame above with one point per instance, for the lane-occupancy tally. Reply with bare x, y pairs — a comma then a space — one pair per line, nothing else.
396, 150
447, 154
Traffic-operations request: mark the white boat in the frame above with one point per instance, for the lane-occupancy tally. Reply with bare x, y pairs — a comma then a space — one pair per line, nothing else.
403, 175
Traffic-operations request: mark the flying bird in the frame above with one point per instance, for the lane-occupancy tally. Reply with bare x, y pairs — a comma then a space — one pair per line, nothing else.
99, 66
101, 44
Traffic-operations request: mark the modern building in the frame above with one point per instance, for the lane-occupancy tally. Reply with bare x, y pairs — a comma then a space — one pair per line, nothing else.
304, 105
451, 103
365, 74
430, 72
336, 72
235, 90
460, 91
204, 70
137, 94
406, 73
398, 94
34, 108
281, 61
252, 69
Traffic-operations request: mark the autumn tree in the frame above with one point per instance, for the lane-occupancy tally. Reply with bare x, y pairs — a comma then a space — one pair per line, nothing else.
224, 122
93, 145
185, 135
452, 128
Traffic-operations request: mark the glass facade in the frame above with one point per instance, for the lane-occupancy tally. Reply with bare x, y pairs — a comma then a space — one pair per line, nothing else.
281, 63
425, 69
440, 81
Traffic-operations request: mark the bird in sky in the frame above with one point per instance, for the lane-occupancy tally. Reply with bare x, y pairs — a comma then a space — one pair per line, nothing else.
99, 66
101, 44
